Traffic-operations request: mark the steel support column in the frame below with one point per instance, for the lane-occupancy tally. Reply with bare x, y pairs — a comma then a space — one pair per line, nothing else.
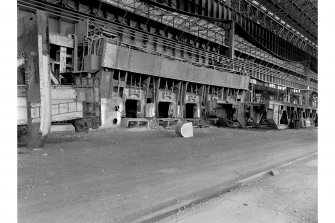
229, 39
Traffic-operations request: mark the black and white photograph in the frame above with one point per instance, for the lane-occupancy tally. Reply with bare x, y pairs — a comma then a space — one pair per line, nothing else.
167, 111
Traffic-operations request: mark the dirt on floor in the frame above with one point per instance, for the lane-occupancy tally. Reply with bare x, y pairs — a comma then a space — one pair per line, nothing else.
118, 175
290, 196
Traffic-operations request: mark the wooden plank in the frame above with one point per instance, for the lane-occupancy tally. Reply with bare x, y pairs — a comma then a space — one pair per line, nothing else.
62, 60
60, 40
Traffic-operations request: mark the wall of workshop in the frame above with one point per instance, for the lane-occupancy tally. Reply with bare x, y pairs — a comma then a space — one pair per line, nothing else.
110, 118
56, 24
255, 113
135, 94
193, 99
167, 96
277, 112
114, 93
63, 26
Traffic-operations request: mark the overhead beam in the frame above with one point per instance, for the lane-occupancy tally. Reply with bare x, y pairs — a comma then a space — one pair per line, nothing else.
286, 49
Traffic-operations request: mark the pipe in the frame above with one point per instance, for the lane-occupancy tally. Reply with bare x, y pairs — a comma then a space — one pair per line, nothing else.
43, 65
75, 52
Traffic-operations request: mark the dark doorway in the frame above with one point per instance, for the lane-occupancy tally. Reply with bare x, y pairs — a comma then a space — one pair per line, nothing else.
225, 111
190, 110
163, 109
131, 108
283, 119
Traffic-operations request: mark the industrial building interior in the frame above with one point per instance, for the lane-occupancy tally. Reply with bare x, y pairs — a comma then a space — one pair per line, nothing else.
238, 61
168, 110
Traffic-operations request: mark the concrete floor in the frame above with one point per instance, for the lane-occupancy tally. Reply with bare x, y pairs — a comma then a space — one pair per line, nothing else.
120, 175
288, 197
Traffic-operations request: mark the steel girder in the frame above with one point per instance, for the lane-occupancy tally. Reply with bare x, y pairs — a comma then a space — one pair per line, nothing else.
255, 23
301, 14
165, 18
210, 31
273, 23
